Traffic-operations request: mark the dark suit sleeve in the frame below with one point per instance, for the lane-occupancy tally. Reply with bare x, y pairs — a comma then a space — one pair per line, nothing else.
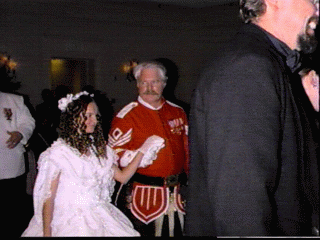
199, 217
234, 141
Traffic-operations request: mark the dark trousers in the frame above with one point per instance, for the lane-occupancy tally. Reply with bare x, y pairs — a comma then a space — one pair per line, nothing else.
15, 206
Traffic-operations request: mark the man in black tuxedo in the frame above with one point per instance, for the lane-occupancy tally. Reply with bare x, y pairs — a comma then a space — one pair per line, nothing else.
249, 157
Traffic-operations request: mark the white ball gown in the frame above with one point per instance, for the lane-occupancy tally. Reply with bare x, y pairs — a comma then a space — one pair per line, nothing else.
82, 204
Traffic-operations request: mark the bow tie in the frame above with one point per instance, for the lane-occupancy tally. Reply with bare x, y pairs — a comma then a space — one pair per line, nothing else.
294, 61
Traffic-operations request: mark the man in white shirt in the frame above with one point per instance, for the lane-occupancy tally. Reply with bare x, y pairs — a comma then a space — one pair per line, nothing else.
16, 127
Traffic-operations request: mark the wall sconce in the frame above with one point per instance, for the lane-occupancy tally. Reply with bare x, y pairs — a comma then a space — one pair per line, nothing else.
127, 68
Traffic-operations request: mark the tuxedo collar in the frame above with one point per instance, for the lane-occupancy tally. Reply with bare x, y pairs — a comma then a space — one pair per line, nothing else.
293, 57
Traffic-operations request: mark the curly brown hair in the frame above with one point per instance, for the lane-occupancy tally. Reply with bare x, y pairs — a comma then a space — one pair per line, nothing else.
72, 128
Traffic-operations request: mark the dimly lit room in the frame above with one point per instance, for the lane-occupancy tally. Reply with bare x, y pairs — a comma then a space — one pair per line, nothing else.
159, 118
101, 36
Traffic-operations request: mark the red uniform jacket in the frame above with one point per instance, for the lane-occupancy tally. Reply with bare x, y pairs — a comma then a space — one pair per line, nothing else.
130, 128
137, 121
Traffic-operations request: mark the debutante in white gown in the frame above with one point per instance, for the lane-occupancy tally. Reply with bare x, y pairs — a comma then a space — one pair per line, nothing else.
82, 205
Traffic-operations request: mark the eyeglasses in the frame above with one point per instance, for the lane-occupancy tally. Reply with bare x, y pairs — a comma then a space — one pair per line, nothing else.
157, 82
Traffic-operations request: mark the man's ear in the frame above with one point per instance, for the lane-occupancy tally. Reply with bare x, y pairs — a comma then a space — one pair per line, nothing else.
164, 84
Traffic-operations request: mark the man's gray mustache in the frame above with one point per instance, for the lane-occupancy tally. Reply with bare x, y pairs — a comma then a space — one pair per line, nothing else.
150, 93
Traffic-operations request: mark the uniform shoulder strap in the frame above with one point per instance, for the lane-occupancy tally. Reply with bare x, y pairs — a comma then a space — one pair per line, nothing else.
123, 112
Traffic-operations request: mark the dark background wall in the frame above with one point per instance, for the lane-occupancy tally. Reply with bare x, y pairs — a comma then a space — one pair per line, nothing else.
33, 32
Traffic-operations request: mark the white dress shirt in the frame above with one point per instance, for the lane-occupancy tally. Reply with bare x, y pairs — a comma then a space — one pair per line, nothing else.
14, 116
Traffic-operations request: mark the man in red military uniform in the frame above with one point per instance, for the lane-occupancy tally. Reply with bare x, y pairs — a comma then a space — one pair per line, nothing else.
155, 194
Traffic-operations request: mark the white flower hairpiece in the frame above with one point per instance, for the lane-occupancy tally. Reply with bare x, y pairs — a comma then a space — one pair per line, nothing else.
63, 102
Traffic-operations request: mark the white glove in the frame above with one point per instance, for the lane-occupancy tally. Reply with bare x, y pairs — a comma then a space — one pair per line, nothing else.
151, 142
149, 148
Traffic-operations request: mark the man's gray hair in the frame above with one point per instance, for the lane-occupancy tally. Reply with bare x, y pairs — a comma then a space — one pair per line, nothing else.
150, 65
250, 10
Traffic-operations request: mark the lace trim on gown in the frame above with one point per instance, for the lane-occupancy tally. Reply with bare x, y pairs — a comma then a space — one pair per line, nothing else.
83, 200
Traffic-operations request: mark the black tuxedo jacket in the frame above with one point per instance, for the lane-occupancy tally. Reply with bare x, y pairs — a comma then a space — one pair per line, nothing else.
247, 145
